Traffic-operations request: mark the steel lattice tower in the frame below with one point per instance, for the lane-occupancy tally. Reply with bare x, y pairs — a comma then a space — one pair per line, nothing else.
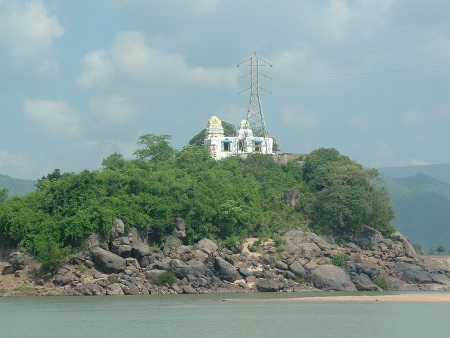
255, 115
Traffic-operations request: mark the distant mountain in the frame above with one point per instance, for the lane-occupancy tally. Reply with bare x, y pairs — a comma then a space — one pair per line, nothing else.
421, 200
440, 172
17, 186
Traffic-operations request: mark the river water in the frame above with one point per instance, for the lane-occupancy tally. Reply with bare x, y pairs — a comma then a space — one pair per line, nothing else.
210, 316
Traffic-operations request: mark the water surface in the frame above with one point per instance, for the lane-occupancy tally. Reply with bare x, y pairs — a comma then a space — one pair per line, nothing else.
210, 316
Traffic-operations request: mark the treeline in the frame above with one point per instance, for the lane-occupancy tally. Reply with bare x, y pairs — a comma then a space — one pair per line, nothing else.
223, 200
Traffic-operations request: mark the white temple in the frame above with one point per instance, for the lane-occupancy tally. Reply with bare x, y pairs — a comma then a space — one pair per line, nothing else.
221, 146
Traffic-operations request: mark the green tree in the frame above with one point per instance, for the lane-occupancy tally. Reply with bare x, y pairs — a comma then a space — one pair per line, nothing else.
3, 195
155, 148
345, 196
440, 249
113, 162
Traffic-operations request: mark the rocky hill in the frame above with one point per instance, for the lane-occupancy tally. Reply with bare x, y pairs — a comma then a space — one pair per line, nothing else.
298, 260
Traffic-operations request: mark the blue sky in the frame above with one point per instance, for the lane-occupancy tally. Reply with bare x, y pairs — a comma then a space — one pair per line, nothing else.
82, 79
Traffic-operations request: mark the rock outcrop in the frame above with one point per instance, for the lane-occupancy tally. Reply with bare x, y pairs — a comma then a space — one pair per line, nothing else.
125, 264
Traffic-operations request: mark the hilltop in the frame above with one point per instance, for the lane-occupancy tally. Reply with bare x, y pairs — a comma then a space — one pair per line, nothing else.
17, 186
420, 197
173, 221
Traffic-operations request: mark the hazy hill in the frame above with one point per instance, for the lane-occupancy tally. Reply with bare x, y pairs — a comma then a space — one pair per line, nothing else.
17, 186
440, 172
421, 200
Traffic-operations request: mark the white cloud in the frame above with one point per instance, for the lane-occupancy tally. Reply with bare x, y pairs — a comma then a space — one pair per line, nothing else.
14, 164
338, 15
298, 118
416, 161
97, 70
382, 155
27, 34
54, 118
113, 109
419, 117
130, 59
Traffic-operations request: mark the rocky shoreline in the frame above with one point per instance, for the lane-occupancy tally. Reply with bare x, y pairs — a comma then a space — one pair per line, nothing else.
298, 260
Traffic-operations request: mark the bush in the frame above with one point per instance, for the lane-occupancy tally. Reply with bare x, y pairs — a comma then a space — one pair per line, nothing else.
112, 279
167, 277
339, 260
278, 240
381, 283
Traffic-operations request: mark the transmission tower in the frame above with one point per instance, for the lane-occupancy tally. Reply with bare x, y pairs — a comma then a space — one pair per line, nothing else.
255, 115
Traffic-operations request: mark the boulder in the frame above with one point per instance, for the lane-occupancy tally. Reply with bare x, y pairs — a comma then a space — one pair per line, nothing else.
368, 238
197, 268
363, 283
246, 272
413, 274
189, 290
17, 260
369, 268
90, 289
292, 197
178, 267
114, 290
409, 250
117, 230
8, 269
281, 265
129, 288
108, 261
268, 285
207, 244
297, 269
227, 270
180, 226
121, 246
331, 278
139, 250
170, 244
61, 280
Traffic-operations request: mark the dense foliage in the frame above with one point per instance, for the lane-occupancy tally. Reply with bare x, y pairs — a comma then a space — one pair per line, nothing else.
231, 198
345, 196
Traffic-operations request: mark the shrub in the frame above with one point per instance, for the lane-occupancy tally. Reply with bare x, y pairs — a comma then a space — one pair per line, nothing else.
255, 246
339, 260
381, 283
279, 241
167, 277
112, 279
300, 279
82, 268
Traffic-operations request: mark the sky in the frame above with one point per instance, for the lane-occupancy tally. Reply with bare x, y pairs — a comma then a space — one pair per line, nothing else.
80, 80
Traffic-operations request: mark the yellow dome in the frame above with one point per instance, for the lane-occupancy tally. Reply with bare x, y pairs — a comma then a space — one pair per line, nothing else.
214, 119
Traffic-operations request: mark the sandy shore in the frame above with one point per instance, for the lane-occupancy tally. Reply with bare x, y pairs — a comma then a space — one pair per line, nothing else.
411, 298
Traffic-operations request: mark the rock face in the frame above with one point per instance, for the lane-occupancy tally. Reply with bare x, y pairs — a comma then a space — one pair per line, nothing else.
125, 264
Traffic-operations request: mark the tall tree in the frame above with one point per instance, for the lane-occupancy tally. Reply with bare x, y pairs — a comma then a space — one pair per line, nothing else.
155, 148
3, 195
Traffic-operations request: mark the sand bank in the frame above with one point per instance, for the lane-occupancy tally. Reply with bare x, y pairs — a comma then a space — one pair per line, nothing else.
411, 298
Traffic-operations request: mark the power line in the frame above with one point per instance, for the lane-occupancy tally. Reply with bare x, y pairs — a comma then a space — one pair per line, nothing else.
392, 70
370, 50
